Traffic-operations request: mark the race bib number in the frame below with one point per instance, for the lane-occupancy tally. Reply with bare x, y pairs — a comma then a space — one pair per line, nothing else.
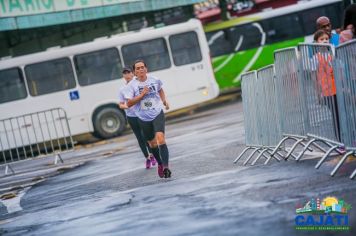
147, 104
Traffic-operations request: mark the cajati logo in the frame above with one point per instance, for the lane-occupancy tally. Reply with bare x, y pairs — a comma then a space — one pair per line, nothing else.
329, 213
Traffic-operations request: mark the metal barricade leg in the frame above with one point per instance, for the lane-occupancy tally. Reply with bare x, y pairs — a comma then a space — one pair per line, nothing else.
259, 156
7, 168
305, 149
58, 157
300, 141
272, 156
297, 138
352, 176
268, 157
277, 153
327, 153
325, 156
327, 142
319, 147
277, 159
251, 155
312, 142
265, 155
337, 167
242, 153
279, 145
294, 156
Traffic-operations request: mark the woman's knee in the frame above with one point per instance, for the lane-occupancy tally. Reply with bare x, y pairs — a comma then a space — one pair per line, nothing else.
160, 138
152, 143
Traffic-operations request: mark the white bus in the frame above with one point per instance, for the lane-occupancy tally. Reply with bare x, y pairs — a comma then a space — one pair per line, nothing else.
84, 79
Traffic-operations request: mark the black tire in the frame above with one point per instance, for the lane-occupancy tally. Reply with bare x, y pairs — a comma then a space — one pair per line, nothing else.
108, 122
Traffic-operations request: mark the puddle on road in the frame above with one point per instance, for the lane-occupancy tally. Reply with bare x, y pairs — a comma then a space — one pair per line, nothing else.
13, 204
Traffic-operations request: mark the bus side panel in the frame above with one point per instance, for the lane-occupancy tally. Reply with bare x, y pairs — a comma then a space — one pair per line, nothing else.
97, 95
214, 86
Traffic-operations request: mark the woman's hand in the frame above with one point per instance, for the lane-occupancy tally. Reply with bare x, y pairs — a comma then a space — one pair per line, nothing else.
166, 105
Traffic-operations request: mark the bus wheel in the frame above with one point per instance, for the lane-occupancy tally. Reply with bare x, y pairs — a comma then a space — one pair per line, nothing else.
109, 122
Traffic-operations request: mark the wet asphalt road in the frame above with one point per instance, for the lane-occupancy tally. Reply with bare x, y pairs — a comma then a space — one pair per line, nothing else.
207, 195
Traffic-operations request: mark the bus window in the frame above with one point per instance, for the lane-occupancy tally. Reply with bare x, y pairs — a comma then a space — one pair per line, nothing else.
50, 76
282, 28
309, 18
97, 67
154, 52
185, 48
332, 11
245, 37
12, 85
219, 42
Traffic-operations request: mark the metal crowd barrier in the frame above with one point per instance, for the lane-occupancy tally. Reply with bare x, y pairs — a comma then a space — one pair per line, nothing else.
305, 102
250, 103
290, 100
310, 99
260, 112
36, 134
345, 75
319, 92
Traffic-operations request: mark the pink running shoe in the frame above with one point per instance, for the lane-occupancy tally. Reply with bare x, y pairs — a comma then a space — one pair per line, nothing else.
160, 171
148, 163
153, 160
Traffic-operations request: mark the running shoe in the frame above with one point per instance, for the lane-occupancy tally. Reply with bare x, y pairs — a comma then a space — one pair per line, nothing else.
160, 171
148, 163
342, 150
153, 160
167, 173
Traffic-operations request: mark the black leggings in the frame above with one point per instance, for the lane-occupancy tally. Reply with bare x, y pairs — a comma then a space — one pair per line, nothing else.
136, 128
331, 101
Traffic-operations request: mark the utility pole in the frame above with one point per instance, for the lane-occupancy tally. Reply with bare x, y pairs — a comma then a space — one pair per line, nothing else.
223, 7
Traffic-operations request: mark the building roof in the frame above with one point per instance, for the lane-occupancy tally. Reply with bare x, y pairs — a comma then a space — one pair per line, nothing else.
24, 14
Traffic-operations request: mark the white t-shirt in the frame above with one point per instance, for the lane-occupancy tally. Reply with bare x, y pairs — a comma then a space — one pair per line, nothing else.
130, 112
150, 106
